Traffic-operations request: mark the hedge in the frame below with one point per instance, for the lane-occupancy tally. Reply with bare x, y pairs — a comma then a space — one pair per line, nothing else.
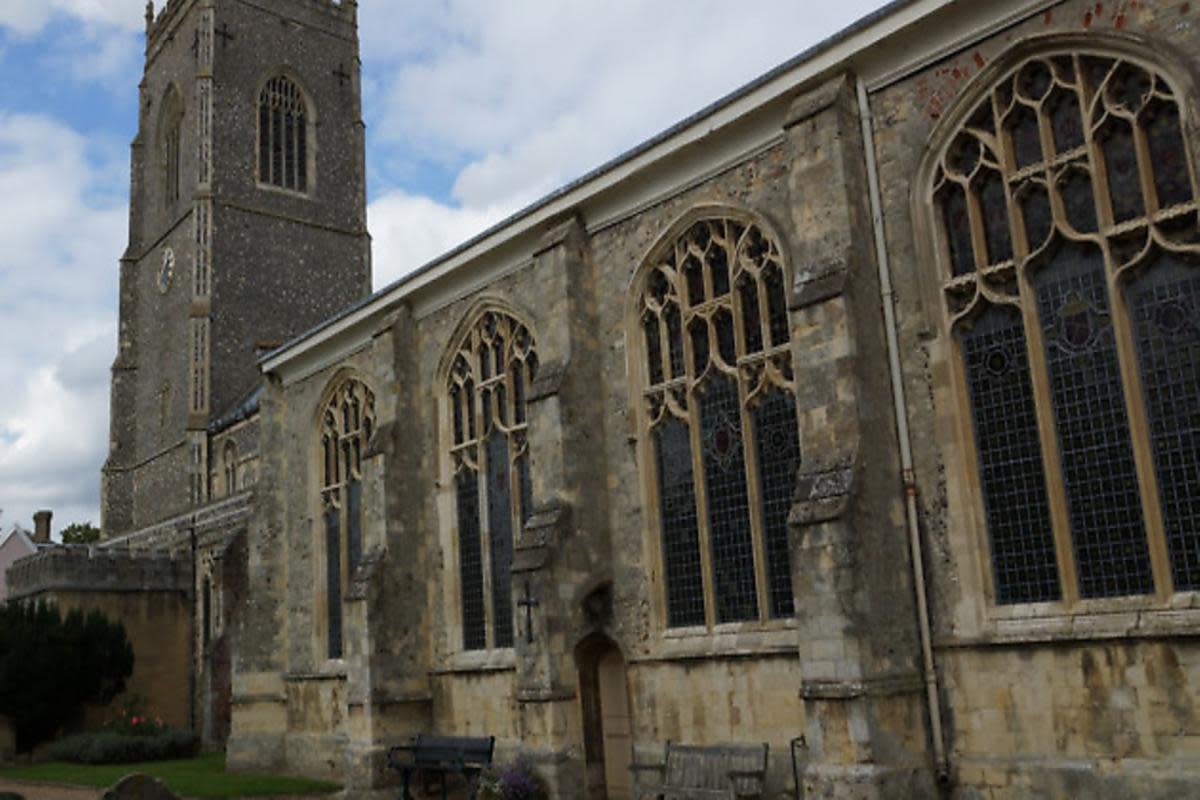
106, 747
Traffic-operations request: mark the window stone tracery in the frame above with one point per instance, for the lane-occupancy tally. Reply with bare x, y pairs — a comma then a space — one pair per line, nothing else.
1068, 224
720, 410
488, 384
346, 427
283, 131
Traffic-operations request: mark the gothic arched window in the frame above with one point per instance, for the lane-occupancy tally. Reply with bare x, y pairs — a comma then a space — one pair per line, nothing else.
720, 408
283, 131
488, 383
170, 137
1067, 210
229, 466
346, 427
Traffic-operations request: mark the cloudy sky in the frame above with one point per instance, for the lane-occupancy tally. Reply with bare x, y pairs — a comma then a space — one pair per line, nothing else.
474, 109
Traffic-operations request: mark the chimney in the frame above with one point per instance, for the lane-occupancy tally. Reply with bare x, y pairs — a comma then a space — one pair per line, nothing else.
41, 527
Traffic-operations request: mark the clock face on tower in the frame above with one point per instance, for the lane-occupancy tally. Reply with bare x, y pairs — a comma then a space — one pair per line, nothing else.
166, 270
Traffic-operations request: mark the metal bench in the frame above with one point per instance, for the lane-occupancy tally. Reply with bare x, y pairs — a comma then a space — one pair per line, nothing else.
690, 772
463, 755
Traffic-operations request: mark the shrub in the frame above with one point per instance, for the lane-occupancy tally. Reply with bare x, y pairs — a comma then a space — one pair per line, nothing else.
107, 747
134, 720
50, 666
519, 781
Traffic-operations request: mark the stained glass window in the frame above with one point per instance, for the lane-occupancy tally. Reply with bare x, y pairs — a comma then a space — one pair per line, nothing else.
778, 451
1165, 306
489, 376
1006, 436
283, 135
724, 438
347, 423
1105, 136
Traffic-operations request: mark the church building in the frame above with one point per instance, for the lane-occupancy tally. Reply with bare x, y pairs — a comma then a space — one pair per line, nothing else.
857, 414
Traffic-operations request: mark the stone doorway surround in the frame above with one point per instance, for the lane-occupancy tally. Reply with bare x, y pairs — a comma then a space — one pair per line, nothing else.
607, 719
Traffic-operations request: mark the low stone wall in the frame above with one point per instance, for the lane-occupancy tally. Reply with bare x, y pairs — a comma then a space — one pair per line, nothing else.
79, 568
150, 593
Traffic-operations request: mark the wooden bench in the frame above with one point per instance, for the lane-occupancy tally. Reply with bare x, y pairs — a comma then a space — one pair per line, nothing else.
690, 772
463, 755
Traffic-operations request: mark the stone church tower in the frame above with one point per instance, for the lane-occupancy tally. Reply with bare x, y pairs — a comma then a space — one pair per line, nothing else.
247, 227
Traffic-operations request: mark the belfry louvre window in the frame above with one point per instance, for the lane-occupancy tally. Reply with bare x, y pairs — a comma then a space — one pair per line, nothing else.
347, 424
283, 135
1067, 207
720, 409
489, 379
170, 156
171, 163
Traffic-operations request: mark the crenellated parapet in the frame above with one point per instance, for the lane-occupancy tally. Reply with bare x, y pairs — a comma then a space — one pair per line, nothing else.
161, 22
80, 568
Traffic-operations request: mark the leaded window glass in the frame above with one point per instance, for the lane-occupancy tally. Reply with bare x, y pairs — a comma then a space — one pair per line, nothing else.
283, 130
346, 426
489, 379
1069, 233
720, 409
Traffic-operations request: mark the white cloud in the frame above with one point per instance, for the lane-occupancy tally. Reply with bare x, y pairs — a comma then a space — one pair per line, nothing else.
27, 17
97, 46
63, 233
408, 231
534, 94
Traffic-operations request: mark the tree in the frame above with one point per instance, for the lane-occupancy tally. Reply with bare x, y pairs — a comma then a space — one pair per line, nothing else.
80, 533
50, 666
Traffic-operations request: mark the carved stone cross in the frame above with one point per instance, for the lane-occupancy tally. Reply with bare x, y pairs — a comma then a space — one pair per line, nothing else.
341, 74
224, 34
528, 602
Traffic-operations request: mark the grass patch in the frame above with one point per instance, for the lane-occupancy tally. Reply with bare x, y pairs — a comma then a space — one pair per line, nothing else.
204, 776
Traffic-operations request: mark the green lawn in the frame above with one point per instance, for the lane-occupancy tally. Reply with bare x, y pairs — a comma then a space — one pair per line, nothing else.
204, 776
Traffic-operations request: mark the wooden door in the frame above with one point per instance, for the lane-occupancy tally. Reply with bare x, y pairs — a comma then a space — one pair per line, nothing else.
616, 725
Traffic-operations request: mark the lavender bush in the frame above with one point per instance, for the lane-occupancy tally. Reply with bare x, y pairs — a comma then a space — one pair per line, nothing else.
519, 781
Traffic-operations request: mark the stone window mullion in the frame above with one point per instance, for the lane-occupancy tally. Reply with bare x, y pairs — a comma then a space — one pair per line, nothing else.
749, 432
691, 386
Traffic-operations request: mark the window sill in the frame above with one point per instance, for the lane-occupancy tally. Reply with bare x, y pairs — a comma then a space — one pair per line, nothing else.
335, 670
307, 194
1181, 617
498, 660
731, 640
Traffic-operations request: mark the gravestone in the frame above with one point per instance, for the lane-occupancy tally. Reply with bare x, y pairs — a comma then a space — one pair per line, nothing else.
140, 787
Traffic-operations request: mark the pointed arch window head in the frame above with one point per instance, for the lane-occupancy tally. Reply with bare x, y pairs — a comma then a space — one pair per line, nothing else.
720, 409
487, 388
170, 152
283, 135
229, 466
347, 423
1067, 217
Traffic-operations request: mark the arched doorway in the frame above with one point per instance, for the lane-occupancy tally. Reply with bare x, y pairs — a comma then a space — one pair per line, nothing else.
607, 726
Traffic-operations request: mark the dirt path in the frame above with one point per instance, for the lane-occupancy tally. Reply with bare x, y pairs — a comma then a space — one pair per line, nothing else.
58, 791
48, 791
